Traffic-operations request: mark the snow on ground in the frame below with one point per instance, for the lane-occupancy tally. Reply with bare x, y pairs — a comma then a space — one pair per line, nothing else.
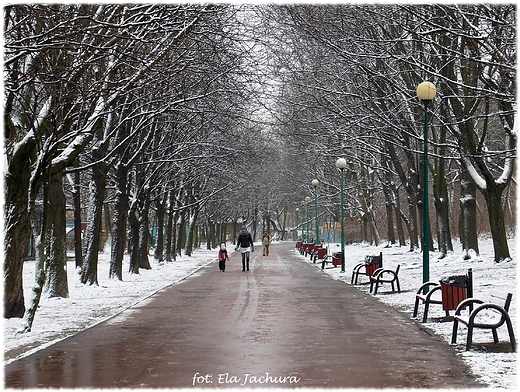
494, 365
90, 305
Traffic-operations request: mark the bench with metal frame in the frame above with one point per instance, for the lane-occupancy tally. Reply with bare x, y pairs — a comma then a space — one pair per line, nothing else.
384, 275
370, 265
335, 259
487, 315
451, 293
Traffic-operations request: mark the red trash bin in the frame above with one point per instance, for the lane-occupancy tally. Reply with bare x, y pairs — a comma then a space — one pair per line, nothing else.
372, 263
337, 258
453, 291
369, 269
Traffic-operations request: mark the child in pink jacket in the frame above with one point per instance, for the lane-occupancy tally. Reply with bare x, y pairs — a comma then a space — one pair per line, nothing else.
222, 257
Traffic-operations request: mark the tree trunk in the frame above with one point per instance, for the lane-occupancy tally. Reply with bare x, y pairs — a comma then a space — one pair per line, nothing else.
410, 182
38, 285
468, 214
493, 196
133, 221
93, 234
412, 222
398, 218
441, 198
108, 228
211, 234
181, 232
390, 207
192, 228
55, 238
176, 217
144, 233
169, 230
160, 212
17, 227
119, 224
78, 248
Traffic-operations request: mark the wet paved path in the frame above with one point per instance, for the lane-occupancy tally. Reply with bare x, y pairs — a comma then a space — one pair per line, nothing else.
283, 319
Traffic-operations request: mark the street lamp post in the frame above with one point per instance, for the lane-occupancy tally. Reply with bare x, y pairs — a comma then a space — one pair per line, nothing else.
297, 223
315, 184
426, 92
307, 200
303, 222
341, 164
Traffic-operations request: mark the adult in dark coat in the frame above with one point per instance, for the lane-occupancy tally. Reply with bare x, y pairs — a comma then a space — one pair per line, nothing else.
245, 245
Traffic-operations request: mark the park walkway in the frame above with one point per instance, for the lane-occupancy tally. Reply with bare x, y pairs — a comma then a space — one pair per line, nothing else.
283, 324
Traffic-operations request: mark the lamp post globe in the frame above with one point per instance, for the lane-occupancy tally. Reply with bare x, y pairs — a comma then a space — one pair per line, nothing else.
426, 91
341, 163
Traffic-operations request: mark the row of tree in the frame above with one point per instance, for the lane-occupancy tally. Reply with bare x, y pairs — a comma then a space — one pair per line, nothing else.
348, 75
133, 111
188, 117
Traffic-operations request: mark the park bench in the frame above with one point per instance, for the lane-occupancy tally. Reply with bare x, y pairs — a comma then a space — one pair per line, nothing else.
487, 315
335, 259
367, 267
453, 290
319, 253
309, 251
302, 247
382, 275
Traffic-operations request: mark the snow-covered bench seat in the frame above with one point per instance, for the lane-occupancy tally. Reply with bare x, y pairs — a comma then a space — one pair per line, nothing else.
487, 315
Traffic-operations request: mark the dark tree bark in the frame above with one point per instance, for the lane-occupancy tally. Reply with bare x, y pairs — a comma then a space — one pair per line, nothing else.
55, 238
17, 226
119, 223
468, 214
169, 228
144, 233
160, 206
78, 248
133, 222
93, 233
441, 197
191, 231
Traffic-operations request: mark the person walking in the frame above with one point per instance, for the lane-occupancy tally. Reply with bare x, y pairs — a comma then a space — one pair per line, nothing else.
222, 257
266, 240
245, 244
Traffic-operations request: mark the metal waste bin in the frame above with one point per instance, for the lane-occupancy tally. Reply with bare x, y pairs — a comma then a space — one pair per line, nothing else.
454, 291
337, 258
372, 263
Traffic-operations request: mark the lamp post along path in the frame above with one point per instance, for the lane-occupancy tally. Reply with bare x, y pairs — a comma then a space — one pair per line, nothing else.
307, 200
426, 91
315, 184
341, 164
